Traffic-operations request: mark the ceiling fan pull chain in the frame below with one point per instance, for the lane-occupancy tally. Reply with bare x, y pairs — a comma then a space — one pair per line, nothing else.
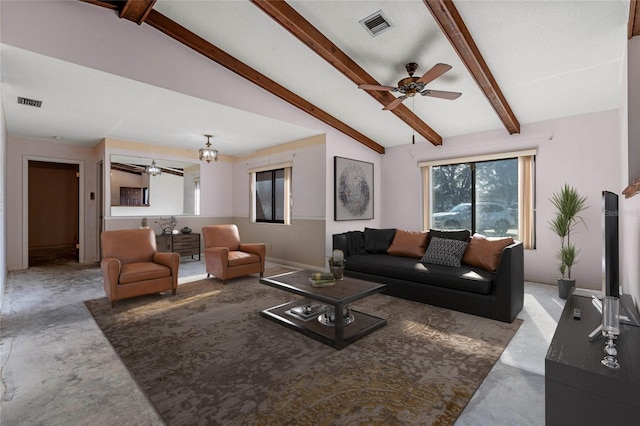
413, 110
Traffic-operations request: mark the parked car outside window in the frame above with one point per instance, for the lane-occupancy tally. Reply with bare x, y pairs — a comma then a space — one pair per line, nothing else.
489, 216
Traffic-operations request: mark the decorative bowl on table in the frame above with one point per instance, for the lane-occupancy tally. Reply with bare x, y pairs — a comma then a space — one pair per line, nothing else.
329, 317
186, 230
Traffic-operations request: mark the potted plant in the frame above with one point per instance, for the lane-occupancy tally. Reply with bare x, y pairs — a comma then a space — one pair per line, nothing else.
569, 204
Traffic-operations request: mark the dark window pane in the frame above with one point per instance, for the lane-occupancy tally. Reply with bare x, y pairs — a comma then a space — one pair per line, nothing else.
279, 195
270, 196
264, 195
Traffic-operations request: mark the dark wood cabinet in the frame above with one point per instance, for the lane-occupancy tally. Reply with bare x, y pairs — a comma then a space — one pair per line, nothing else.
130, 196
579, 390
185, 244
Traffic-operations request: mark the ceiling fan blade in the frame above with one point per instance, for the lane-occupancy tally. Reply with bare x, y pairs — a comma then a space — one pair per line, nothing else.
436, 71
394, 103
441, 94
376, 87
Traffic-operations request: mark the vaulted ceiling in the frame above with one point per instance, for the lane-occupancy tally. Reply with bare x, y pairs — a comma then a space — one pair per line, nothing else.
514, 63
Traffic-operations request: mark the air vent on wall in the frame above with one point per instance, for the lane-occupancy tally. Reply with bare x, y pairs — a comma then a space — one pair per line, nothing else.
377, 23
29, 102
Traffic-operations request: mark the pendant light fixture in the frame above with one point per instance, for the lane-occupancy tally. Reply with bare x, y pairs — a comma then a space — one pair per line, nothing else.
153, 170
207, 153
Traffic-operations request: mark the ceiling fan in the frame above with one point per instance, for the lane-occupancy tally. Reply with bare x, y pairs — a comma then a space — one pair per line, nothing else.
411, 85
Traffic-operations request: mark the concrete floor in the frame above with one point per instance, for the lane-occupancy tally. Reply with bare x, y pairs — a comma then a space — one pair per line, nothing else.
59, 369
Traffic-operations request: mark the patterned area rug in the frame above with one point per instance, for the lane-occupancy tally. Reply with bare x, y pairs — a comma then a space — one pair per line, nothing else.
206, 356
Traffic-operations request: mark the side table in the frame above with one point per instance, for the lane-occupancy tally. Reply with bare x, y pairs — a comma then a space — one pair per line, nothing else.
184, 244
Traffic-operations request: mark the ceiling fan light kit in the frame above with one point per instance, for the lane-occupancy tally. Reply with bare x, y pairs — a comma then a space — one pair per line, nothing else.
207, 153
410, 86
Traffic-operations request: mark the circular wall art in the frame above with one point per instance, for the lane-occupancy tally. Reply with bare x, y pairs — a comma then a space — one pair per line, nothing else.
354, 189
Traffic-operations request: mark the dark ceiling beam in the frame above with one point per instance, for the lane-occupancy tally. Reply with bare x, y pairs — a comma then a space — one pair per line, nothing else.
136, 10
189, 39
454, 28
200, 45
302, 29
634, 19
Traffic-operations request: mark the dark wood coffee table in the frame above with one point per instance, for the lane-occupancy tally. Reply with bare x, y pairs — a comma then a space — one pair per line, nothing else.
338, 297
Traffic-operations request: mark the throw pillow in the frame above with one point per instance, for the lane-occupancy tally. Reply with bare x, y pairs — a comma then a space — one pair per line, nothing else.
442, 251
408, 244
378, 240
355, 243
462, 235
485, 253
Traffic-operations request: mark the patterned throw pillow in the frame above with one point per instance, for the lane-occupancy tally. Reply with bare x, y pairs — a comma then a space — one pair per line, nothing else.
444, 252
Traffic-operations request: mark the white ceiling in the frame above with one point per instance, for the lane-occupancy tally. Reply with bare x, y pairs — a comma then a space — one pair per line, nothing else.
551, 59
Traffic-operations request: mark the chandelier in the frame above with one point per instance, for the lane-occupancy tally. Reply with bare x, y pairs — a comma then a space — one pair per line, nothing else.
207, 153
153, 170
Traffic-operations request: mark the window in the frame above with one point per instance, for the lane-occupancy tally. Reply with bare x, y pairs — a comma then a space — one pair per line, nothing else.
271, 195
491, 195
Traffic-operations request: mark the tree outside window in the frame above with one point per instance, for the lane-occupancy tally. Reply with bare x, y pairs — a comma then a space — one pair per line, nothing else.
479, 196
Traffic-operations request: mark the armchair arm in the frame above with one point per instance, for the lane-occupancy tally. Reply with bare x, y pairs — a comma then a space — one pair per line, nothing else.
223, 252
110, 267
167, 259
216, 261
171, 261
256, 248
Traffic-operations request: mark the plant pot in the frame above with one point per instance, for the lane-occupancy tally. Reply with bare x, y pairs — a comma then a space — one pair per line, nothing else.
564, 287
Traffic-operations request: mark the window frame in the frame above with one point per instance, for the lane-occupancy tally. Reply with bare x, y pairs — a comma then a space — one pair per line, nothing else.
274, 185
526, 189
287, 198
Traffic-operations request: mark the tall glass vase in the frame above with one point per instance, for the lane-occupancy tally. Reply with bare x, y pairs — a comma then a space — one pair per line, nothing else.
610, 330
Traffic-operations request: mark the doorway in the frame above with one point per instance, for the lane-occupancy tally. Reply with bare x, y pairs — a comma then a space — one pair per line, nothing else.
53, 197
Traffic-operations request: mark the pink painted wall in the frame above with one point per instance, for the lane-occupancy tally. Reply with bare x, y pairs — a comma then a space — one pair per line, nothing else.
584, 152
356, 152
92, 36
19, 149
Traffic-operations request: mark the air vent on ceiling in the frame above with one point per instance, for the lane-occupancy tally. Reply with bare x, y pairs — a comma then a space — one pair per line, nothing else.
29, 102
377, 23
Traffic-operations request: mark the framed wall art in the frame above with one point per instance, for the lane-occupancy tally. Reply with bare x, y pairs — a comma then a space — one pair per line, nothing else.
353, 181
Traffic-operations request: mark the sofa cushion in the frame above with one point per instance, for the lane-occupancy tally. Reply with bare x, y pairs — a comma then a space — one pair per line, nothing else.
447, 252
237, 258
465, 278
408, 244
142, 271
485, 253
378, 240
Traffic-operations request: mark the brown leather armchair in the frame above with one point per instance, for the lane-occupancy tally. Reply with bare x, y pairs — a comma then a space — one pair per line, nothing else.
132, 267
225, 257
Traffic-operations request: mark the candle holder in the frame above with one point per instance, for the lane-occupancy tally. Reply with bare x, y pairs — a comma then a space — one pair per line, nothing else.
336, 264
